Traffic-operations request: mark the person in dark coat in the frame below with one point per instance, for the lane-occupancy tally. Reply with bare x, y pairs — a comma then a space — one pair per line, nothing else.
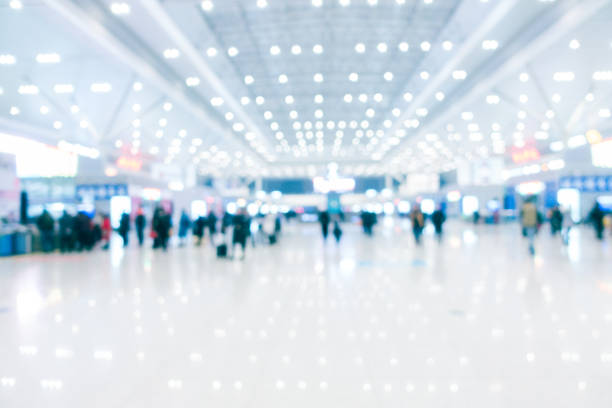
46, 226
140, 223
184, 227
83, 229
324, 221
437, 219
198, 229
556, 220
241, 231
418, 223
337, 231
124, 228
596, 217
226, 221
211, 222
66, 232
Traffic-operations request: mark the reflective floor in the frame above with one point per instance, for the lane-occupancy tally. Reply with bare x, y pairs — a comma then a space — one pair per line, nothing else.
471, 322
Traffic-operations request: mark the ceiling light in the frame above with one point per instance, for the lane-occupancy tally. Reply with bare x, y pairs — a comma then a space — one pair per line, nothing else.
84, 124
318, 77
16, 4
163, 122
100, 87
317, 49
289, 100
50, 58
467, 116
421, 112
563, 76
447, 45
363, 98
403, 46
378, 97
275, 50
440, 96
282, 79
344, 3
7, 59
296, 50
171, 53
44, 110
382, 47
57, 125
14, 111
63, 88
229, 116
245, 100
192, 81
74, 109
120, 8
459, 75
207, 5
489, 45
317, 3
348, 98
574, 44
360, 48
604, 113
493, 99
424, 75
353, 77
408, 97
249, 79
232, 51
556, 98
388, 76
425, 46
318, 98
372, 2
260, 100
262, 3
137, 86
211, 52
602, 76
216, 101
136, 107
28, 90
523, 98
524, 77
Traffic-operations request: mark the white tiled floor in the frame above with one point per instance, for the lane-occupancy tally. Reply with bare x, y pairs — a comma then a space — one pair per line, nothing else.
474, 322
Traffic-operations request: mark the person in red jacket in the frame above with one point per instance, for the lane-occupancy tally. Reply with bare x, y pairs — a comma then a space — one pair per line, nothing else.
106, 231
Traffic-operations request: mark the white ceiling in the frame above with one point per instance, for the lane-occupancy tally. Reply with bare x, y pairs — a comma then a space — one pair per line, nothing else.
405, 110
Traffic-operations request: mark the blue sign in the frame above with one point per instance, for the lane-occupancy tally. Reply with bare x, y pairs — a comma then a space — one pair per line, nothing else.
101, 191
587, 184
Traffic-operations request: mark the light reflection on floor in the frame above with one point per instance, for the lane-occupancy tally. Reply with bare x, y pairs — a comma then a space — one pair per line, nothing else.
473, 321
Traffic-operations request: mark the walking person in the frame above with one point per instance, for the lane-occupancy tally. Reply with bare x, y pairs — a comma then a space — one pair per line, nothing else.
418, 223
66, 232
140, 223
199, 226
529, 222
240, 233
124, 228
438, 218
337, 231
556, 220
184, 227
596, 217
324, 221
211, 222
46, 226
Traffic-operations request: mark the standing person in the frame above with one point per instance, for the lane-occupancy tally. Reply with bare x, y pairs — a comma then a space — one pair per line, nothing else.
226, 221
46, 226
324, 220
198, 229
140, 223
107, 229
337, 231
566, 225
529, 222
66, 232
124, 228
83, 231
438, 218
156, 227
596, 217
556, 220
418, 223
212, 223
165, 229
184, 227
241, 232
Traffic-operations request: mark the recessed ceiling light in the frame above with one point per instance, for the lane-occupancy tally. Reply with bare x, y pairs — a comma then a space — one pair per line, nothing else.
318, 98
489, 45
317, 49
424, 75
57, 125
137, 86
28, 90
440, 96
211, 52
262, 3
275, 50
360, 48
14, 111
425, 46
282, 79
574, 44
74, 109
318, 77
232, 51
16, 4
192, 81
167, 106
388, 76
382, 47
7, 59
120, 8
49, 58
207, 5
372, 2
296, 49
403, 46
63, 88
353, 77
245, 100
289, 100
459, 75
348, 98
249, 79
171, 53
317, 3
344, 3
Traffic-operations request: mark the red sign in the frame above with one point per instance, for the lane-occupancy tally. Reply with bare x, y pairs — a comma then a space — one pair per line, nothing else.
525, 154
129, 163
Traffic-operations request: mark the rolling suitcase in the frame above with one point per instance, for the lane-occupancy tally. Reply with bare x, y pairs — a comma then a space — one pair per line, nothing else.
222, 251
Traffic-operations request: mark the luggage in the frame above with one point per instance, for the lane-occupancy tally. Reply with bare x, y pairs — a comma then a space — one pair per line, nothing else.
222, 251
272, 239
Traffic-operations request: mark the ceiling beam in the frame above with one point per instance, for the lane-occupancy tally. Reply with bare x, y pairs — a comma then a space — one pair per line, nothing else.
167, 24
100, 35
